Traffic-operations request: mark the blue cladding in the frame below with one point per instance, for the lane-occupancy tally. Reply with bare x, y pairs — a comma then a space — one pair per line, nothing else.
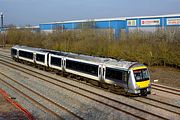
102, 24
49, 26
98, 24
45, 26
111, 24
68, 26
117, 25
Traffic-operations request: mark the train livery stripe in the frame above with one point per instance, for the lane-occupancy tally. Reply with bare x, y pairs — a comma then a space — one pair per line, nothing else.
143, 84
140, 67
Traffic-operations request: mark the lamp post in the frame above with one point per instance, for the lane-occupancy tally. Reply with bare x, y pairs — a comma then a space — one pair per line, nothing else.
2, 30
2, 16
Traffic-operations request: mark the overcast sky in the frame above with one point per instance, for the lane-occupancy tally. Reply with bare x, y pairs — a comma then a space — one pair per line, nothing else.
23, 12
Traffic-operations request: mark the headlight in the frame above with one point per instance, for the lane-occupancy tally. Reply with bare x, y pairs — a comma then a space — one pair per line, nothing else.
137, 87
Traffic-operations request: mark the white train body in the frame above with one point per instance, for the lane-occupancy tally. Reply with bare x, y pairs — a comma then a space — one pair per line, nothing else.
133, 77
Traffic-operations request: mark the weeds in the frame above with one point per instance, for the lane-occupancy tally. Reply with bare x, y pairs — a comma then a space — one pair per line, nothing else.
159, 48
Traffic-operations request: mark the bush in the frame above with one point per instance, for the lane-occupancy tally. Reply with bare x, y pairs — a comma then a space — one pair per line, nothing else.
151, 48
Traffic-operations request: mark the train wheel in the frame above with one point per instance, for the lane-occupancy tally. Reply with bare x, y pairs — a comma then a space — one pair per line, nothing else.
99, 84
105, 86
149, 92
144, 93
127, 94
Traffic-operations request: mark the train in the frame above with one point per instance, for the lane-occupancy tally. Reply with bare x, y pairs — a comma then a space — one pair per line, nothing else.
131, 77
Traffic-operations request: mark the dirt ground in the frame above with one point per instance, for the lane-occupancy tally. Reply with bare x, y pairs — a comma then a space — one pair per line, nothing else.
9, 112
166, 76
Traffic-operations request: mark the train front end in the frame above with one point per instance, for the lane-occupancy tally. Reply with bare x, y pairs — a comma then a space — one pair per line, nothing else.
139, 80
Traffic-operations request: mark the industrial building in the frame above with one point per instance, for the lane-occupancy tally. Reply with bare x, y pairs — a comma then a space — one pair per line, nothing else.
117, 26
151, 23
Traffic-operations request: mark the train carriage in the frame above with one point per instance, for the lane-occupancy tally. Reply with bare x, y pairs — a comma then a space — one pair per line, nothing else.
82, 68
26, 55
56, 61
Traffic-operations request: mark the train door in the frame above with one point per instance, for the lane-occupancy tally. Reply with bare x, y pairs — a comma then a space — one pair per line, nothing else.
104, 72
100, 72
34, 57
63, 63
47, 60
17, 53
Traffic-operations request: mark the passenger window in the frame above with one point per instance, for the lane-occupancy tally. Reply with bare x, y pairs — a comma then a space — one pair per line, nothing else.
83, 67
116, 74
40, 57
25, 54
55, 61
13, 51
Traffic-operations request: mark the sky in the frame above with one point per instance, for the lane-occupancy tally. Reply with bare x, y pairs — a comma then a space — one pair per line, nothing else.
33, 12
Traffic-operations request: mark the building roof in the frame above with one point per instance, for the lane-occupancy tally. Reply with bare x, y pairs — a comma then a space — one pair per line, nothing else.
111, 19
86, 20
156, 16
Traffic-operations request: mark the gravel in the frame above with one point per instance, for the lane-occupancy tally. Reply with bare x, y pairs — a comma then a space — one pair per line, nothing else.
88, 109
26, 103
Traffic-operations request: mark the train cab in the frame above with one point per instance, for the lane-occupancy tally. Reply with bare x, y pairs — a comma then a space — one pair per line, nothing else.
140, 78
14, 52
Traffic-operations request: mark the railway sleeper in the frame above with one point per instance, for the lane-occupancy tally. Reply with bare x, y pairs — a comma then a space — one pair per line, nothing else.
40, 67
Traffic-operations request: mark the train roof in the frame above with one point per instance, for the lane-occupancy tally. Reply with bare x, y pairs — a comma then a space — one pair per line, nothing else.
88, 58
55, 52
27, 48
121, 63
107, 61
41, 50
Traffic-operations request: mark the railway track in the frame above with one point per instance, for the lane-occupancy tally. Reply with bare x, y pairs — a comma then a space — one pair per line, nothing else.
166, 89
40, 106
38, 94
159, 104
6, 51
113, 100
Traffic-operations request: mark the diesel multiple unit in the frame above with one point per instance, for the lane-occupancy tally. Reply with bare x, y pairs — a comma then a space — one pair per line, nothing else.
132, 77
